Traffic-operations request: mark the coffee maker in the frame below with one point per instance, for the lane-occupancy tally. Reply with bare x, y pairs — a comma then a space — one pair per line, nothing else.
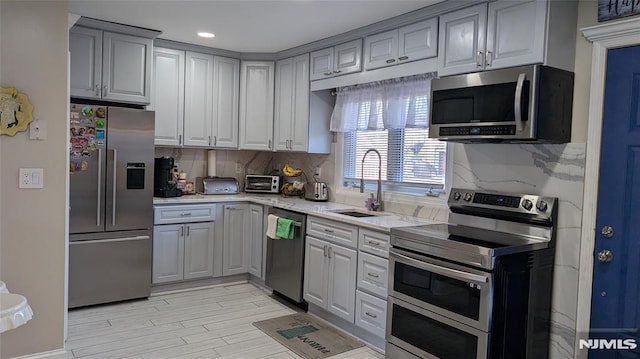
164, 182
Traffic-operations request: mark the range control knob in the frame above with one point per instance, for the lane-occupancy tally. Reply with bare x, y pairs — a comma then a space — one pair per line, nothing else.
467, 197
456, 195
527, 204
541, 206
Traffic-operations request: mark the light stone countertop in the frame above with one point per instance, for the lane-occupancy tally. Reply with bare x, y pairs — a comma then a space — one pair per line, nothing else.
382, 221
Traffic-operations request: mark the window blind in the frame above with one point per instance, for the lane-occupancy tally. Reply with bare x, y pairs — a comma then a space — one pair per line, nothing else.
409, 157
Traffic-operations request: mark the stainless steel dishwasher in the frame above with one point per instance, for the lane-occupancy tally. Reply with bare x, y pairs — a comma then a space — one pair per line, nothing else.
285, 259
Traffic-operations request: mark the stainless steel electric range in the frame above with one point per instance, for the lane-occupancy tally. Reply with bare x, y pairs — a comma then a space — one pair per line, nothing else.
477, 287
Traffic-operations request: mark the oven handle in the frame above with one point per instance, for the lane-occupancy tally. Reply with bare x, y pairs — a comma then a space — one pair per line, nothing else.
517, 103
453, 273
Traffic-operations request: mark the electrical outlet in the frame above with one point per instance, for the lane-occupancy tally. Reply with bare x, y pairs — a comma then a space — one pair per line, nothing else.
31, 178
238, 167
318, 172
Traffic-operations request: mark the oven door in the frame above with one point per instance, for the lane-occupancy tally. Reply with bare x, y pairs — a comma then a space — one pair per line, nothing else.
429, 335
457, 292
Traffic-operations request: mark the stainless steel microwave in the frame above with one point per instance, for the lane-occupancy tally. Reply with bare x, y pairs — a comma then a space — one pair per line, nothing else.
519, 104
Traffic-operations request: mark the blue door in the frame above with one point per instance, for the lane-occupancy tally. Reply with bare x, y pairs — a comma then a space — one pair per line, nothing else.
615, 303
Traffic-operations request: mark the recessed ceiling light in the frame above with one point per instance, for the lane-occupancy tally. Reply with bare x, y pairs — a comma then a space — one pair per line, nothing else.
206, 34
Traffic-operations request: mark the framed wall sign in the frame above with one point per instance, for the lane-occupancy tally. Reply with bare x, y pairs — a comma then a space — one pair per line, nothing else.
15, 111
614, 9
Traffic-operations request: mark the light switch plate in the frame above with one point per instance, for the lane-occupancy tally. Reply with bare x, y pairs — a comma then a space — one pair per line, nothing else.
37, 130
31, 178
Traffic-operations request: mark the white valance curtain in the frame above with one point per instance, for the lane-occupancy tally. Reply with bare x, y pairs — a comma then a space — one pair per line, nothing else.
390, 104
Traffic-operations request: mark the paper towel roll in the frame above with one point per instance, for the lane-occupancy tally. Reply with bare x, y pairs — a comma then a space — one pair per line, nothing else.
211, 163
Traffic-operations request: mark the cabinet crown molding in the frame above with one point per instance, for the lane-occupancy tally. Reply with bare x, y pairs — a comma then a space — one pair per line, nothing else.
119, 28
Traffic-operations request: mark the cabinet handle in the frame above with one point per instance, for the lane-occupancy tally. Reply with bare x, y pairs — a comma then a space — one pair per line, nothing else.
188, 230
97, 90
181, 231
337, 71
209, 140
402, 58
269, 145
479, 59
390, 61
487, 58
330, 250
373, 243
371, 315
328, 230
325, 250
215, 140
185, 214
179, 139
328, 73
373, 275
104, 90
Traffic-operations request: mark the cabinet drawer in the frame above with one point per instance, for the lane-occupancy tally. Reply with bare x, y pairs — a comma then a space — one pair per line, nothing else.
373, 274
184, 213
374, 242
332, 231
371, 313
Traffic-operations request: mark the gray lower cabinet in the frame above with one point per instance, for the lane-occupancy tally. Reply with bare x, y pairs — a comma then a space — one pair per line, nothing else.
182, 251
373, 279
256, 217
236, 248
330, 277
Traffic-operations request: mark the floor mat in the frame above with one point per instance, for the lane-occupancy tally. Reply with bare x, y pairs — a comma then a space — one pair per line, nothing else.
305, 336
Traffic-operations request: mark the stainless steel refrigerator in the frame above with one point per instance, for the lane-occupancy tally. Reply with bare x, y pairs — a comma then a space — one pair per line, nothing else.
111, 204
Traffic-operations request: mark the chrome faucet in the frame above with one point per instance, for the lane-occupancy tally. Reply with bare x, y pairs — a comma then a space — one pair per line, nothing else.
377, 205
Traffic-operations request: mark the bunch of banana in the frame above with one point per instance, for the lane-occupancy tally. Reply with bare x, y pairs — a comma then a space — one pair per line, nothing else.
290, 171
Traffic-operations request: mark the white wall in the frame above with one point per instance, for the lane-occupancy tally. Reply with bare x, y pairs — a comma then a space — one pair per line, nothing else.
32, 226
587, 16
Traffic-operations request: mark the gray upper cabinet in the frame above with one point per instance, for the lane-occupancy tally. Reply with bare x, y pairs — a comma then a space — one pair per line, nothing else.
85, 46
338, 60
226, 94
167, 97
198, 109
256, 105
196, 98
110, 66
507, 33
409, 43
291, 126
462, 40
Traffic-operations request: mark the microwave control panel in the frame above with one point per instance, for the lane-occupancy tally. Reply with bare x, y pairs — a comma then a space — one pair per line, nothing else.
478, 130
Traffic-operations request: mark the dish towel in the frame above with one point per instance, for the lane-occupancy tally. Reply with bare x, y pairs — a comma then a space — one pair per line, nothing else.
285, 228
272, 224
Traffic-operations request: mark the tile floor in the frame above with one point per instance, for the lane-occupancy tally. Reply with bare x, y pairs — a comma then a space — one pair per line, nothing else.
206, 323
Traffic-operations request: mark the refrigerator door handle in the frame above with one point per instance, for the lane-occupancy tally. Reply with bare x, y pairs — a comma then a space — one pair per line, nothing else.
99, 206
113, 198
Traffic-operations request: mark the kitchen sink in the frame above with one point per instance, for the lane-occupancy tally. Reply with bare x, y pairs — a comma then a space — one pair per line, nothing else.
357, 213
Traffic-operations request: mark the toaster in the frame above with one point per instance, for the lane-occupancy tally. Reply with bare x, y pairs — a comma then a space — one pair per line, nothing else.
316, 191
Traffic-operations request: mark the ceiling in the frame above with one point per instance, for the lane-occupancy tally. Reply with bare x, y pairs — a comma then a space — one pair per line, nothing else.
247, 25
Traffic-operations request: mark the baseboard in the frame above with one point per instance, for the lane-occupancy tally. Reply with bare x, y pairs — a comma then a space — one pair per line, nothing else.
58, 353
179, 287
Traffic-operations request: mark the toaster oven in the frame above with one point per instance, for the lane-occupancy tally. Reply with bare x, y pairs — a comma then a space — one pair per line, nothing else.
262, 184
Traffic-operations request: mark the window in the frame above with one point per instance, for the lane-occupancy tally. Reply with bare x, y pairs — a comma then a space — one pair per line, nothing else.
392, 118
409, 158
